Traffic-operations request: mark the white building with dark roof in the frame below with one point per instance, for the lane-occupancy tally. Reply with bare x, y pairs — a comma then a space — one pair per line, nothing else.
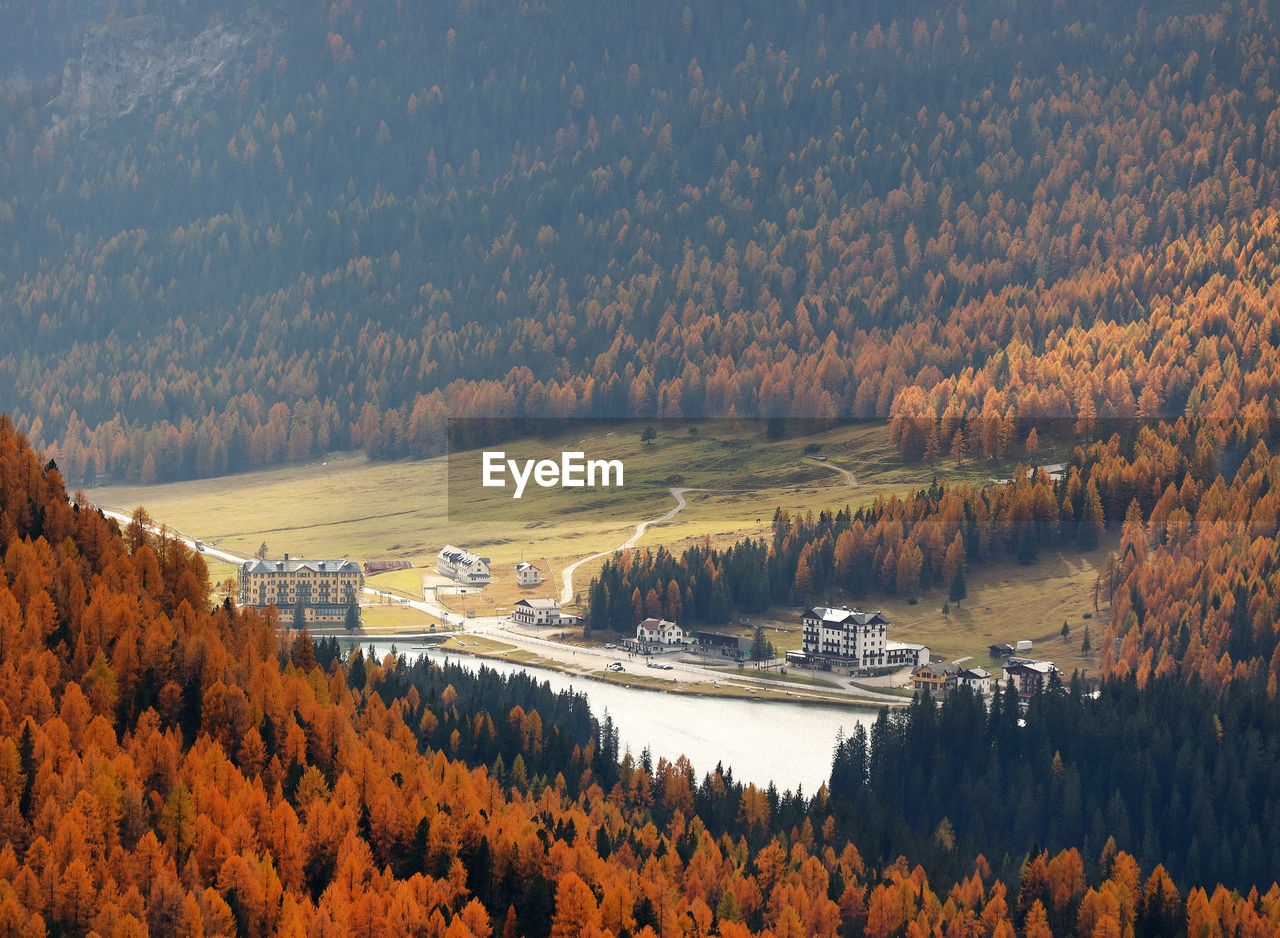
848, 639
324, 587
527, 574
463, 566
979, 679
539, 613
1028, 676
652, 633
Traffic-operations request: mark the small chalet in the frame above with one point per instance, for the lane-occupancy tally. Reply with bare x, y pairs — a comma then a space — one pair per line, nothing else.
659, 632
1027, 675
1001, 650
463, 566
723, 644
527, 574
937, 677
540, 612
977, 679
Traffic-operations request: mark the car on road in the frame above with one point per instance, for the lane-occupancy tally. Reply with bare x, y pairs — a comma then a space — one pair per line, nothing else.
610, 645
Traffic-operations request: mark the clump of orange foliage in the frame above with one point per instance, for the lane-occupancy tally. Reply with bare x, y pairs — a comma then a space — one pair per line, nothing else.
167, 768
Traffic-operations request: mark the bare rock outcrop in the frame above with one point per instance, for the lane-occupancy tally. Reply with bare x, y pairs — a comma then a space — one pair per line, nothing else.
140, 64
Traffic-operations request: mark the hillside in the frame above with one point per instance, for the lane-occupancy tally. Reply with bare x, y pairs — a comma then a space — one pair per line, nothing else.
315, 226
245, 234
167, 768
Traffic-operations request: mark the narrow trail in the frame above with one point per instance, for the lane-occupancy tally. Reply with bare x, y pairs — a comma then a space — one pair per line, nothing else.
848, 475
566, 592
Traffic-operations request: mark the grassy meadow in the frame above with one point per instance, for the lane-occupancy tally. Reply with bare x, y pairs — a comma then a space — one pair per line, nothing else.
347, 506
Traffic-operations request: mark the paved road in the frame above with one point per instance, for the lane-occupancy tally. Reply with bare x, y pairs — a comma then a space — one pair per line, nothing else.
580, 659
155, 527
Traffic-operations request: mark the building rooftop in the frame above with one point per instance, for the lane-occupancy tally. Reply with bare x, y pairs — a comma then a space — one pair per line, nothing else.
721, 638
844, 615
288, 565
939, 667
458, 555
1044, 667
539, 603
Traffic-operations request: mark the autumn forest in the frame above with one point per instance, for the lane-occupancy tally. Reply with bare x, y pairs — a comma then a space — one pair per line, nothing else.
1003, 228
168, 767
1003, 214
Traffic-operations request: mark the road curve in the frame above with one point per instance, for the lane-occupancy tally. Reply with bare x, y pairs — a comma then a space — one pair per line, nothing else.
571, 658
848, 475
155, 528
566, 592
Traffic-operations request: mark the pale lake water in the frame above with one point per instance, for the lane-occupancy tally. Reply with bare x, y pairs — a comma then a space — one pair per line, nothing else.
788, 744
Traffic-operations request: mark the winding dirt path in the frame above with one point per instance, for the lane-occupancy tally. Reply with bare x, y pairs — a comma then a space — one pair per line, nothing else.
566, 592
848, 475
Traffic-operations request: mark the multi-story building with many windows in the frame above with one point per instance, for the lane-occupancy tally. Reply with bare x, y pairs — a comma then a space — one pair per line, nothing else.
845, 637
324, 587
463, 566
850, 640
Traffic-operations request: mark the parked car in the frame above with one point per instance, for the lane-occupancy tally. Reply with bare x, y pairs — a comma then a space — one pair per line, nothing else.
610, 645
614, 666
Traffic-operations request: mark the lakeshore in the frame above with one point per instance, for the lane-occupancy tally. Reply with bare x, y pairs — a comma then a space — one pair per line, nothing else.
760, 742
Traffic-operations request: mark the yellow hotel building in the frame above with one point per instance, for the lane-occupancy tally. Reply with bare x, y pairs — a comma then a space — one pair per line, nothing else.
325, 587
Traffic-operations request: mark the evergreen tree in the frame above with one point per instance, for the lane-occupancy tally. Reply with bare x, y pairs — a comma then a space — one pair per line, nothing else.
1093, 521
849, 767
761, 647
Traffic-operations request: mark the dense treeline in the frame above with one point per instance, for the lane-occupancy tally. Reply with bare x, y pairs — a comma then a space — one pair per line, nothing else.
895, 545
1173, 774
966, 217
170, 768
1193, 583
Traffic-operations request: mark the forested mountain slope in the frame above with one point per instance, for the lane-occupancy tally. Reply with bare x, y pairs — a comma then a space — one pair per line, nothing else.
167, 768
361, 219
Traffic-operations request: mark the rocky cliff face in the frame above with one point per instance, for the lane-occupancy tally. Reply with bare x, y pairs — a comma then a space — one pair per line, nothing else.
140, 64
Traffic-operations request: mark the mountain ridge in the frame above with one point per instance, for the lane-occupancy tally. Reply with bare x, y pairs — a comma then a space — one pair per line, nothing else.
513, 211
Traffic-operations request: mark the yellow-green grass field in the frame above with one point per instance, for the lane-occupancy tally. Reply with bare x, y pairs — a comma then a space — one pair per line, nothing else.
1007, 602
376, 618
347, 506
476, 645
